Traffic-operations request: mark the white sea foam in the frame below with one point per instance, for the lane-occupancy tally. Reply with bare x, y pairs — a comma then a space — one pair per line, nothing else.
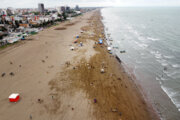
157, 78
164, 79
152, 52
142, 45
152, 39
174, 75
172, 95
168, 57
164, 64
176, 66
161, 61
158, 55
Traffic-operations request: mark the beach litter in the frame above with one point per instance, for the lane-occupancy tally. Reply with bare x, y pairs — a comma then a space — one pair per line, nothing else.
123, 51
68, 63
14, 97
30, 116
43, 61
81, 44
109, 49
95, 100
110, 52
100, 41
114, 110
40, 101
3, 74
116, 47
120, 113
102, 70
75, 41
11, 62
72, 48
91, 84
11, 73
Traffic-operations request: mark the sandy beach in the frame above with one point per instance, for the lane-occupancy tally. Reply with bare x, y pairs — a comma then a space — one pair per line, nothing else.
57, 83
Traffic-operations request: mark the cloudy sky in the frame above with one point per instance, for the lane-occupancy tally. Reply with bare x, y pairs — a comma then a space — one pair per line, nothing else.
53, 3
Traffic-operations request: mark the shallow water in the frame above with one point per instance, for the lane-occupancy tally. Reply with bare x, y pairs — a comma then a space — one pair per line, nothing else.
151, 39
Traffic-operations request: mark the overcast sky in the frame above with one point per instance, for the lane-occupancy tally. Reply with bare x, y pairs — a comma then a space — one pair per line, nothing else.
53, 3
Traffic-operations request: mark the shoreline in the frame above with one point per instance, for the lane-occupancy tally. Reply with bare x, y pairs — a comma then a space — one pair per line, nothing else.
67, 82
154, 114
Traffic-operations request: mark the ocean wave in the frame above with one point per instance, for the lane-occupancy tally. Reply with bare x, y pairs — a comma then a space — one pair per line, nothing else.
172, 94
152, 39
164, 79
164, 64
168, 57
152, 52
176, 66
157, 78
158, 55
174, 75
142, 45
161, 78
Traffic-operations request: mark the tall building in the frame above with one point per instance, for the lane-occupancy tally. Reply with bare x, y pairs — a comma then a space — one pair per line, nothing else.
77, 8
63, 8
68, 8
41, 7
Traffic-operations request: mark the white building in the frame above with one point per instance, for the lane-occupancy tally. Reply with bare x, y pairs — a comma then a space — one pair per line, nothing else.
10, 11
59, 10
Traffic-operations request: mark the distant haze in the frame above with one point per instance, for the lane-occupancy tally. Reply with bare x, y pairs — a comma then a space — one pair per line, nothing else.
86, 3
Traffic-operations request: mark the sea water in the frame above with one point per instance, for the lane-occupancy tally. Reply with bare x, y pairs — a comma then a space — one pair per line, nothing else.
150, 38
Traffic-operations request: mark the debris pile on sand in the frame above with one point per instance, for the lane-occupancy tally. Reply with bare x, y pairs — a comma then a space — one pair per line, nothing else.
60, 28
70, 24
11, 73
3, 74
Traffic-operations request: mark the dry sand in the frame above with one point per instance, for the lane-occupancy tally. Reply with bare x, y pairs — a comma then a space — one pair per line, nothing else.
65, 81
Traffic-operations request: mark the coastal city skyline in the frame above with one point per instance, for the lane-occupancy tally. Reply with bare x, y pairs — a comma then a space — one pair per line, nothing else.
87, 3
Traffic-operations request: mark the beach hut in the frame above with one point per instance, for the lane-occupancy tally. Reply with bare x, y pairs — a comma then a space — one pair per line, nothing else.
100, 41
14, 97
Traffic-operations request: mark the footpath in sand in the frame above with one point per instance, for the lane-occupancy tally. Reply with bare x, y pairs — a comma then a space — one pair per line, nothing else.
56, 83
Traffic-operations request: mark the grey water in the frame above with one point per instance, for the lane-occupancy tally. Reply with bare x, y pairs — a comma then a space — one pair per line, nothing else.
151, 38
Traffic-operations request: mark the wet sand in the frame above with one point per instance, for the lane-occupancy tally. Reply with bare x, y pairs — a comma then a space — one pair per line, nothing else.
56, 83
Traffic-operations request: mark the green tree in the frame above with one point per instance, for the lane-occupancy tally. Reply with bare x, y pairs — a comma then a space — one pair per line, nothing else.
64, 15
